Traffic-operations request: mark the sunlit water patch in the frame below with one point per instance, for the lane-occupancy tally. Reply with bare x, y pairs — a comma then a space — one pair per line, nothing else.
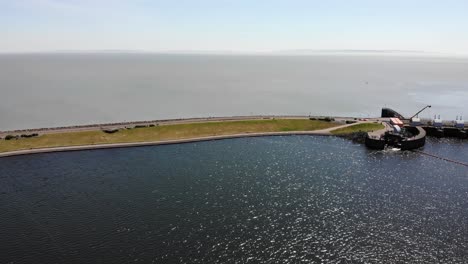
255, 200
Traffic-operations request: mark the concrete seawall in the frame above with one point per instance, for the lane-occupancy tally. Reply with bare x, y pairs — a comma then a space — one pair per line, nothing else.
418, 141
375, 143
380, 139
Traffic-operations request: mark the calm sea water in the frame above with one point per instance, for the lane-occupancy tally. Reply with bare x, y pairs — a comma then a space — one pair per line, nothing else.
43, 90
255, 200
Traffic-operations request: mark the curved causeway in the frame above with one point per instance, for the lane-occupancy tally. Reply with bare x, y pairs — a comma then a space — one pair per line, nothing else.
155, 143
76, 147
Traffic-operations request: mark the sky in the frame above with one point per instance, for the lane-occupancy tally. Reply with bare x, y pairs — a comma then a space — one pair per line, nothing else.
233, 25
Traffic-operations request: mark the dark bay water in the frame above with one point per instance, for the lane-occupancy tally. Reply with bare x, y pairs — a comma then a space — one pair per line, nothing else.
255, 200
44, 90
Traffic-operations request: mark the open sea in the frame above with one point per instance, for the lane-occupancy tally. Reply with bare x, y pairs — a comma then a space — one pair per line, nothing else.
45, 90
290, 199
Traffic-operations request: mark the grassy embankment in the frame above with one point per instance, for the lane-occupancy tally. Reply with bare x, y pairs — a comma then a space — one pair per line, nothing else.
163, 132
364, 127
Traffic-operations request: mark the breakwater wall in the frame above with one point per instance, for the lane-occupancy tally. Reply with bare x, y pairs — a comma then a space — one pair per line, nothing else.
375, 143
415, 142
404, 143
446, 132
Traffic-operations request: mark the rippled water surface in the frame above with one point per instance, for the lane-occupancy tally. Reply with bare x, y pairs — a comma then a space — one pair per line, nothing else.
255, 200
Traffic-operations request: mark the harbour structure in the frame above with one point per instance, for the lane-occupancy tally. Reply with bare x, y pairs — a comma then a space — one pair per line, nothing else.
396, 135
388, 113
460, 123
436, 127
439, 128
437, 122
415, 121
458, 129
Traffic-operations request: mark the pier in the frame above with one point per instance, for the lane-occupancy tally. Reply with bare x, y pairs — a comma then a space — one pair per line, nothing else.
410, 133
410, 138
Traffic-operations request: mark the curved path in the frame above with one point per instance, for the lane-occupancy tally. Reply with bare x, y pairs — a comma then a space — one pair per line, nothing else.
322, 132
378, 133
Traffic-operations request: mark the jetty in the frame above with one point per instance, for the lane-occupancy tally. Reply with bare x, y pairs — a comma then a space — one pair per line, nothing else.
410, 133
397, 136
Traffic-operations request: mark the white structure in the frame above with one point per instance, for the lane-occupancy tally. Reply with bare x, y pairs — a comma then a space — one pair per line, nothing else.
437, 122
460, 123
415, 121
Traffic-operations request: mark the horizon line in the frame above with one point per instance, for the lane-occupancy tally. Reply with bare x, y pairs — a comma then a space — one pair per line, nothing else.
253, 52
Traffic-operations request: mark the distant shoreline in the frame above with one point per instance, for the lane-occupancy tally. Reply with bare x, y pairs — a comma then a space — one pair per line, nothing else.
287, 52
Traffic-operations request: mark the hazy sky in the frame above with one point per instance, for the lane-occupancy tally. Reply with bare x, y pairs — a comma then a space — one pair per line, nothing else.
233, 25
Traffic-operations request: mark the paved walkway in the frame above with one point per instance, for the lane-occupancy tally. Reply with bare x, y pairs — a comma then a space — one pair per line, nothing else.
381, 132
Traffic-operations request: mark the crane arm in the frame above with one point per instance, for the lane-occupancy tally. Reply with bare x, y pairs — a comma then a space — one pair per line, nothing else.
427, 106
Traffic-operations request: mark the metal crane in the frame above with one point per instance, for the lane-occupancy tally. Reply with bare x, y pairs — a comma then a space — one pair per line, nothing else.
427, 106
